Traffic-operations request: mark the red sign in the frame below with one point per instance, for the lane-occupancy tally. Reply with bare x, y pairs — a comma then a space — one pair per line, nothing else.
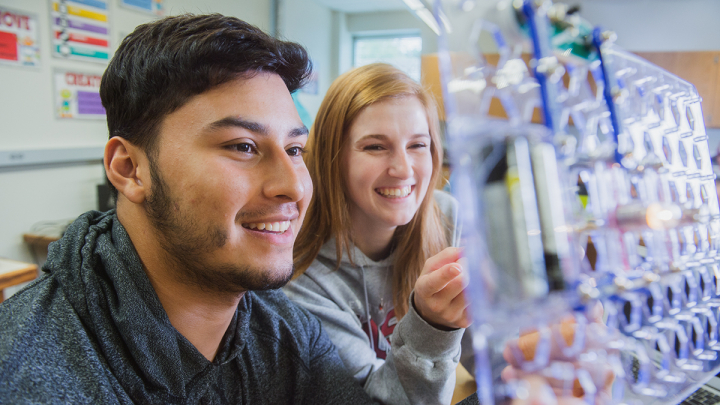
83, 39
8, 46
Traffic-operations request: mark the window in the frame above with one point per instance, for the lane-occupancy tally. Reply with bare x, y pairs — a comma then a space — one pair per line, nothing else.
403, 52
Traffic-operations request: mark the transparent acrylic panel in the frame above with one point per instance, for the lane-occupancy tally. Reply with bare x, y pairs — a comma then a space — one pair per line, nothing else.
607, 201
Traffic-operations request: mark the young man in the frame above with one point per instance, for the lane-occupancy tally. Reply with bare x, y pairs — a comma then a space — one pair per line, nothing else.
169, 299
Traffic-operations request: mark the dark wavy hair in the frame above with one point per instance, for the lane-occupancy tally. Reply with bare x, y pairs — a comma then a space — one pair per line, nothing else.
162, 64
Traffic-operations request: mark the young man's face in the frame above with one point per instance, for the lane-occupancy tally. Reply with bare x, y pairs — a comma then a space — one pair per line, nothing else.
230, 188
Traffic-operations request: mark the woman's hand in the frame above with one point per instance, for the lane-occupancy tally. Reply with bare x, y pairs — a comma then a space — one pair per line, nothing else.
438, 296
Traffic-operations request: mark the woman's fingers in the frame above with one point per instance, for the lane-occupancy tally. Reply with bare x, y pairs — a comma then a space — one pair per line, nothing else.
436, 281
439, 297
446, 256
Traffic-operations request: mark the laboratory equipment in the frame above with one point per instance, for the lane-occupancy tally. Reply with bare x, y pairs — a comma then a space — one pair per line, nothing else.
593, 193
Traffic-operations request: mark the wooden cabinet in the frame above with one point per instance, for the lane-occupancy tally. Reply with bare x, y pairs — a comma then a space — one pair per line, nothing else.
715, 111
701, 68
430, 79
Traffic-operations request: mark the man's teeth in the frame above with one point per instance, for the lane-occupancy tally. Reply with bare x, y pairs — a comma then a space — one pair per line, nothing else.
269, 226
395, 192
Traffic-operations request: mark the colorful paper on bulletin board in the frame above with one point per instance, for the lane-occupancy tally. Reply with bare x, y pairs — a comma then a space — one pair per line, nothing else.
80, 29
19, 38
148, 6
77, 95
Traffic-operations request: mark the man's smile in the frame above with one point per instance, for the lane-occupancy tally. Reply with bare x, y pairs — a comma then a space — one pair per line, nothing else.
277, 227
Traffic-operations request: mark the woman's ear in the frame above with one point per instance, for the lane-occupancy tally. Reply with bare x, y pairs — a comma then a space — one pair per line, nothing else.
127, 168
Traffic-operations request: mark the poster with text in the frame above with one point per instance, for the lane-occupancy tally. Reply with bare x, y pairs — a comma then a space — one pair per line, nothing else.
18, 38
77, 95
147, 6
80, 29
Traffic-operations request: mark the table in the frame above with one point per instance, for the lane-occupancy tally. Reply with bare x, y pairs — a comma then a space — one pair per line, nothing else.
39, 241
39, 245
464, 385
13, 272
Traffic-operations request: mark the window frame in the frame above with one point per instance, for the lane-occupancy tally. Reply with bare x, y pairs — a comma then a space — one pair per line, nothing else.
394, 34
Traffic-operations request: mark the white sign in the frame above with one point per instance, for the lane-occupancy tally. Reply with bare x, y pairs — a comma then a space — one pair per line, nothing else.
77, 95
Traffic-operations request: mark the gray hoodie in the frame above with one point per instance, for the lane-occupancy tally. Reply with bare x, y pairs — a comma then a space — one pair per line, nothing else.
420, 368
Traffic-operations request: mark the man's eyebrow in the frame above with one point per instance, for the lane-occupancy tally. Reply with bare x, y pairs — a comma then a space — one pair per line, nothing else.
252, 126
300, 131
230, 122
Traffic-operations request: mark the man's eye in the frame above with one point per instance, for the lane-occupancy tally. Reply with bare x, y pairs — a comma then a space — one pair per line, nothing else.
295, 151
242, 147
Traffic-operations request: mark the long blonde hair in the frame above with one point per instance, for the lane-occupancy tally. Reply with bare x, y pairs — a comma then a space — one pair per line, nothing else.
328, 214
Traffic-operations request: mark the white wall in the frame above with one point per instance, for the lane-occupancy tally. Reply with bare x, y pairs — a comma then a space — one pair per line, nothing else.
311, 25
342, 45
43, 193
658, 25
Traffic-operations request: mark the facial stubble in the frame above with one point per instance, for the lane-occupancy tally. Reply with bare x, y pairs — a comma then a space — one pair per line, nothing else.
189, 245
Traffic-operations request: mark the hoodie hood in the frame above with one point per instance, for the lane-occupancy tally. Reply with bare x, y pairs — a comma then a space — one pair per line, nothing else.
328, 251
103, 279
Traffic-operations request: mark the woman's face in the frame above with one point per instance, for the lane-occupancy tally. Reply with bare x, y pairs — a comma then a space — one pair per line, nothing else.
387, 163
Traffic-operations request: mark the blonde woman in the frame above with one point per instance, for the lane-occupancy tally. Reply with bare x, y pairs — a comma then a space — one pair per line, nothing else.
372, 258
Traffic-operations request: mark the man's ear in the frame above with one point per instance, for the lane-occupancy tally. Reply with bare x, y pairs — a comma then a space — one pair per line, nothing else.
128, 169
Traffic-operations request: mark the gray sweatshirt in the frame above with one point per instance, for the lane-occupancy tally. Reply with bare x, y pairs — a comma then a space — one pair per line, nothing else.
356, 299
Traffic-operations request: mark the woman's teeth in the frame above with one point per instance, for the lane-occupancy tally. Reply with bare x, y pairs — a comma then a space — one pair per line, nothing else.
395, 192
279, 227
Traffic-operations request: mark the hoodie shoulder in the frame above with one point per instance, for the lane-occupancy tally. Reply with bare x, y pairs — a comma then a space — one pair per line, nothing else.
46, 354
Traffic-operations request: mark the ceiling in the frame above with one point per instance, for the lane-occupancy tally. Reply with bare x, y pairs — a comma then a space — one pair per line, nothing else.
363, 6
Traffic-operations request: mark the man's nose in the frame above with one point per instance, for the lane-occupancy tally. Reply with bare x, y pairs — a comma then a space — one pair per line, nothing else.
285, 179
400, 165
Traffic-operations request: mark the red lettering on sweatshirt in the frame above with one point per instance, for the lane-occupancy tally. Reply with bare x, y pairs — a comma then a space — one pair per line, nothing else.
381, 337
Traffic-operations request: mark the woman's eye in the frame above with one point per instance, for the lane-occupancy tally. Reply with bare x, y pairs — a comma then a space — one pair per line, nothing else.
418, 146
296, 151
373, 147
242, 147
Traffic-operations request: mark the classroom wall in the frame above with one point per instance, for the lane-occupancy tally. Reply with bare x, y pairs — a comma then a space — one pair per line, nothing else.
31, 195
658, 25
311, 25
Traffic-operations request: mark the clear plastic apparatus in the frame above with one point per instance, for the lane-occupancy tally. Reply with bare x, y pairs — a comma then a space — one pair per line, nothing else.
608, 206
